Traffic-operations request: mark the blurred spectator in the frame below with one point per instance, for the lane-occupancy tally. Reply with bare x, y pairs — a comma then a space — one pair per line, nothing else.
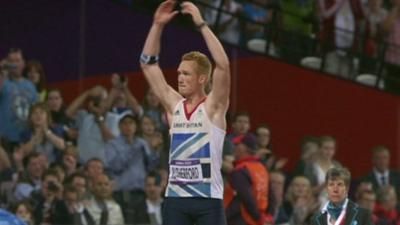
297, 18
48, 206
70, 160
102, 207
259, 16
57, 109
374, 16
152, 108
78, 214
95, 125
339, 33
154, 139
240, 125
309, 151
79, 181
24, 211
148, 210
264, 150
121, 99
367, 200
94, 167
300, 203
128, 160
385, 209
381, 174
391, 27
6, 171
42, 137
35, 73
276, 196
16, 97
246, 195
31, 179
227, 28
324, 161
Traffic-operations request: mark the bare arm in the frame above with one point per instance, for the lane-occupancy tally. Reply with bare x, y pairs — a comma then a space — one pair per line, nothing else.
76, 104
218, 100
154, 76
132, 102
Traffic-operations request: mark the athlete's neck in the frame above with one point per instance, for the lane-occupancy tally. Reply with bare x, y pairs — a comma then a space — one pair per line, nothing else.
194, 100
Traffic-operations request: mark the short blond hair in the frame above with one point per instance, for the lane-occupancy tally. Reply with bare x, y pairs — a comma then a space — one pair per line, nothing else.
203, 63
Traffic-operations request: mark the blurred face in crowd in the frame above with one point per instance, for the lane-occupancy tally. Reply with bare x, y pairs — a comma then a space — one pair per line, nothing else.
147, 125
381, 161
17, 64
390, 200
241, 125
71, 197
310, 152
337, 190
80, 184
39, 117
49, 183
263, 136
153, 188
127, 127
33, 75
54, 101
35, 167
328, 149
23, 212
277, 181
367, 200
240, 150
102, 187
301, 187
94, 169
152, 99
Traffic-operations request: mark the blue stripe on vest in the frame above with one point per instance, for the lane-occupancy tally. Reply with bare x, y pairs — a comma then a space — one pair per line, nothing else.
203, 152
182, 148
203, 188
178, 139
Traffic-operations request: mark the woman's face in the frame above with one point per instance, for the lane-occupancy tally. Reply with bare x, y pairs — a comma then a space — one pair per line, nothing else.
23, 213
301, 187
34, 75
147, 126
54, 101
39, 117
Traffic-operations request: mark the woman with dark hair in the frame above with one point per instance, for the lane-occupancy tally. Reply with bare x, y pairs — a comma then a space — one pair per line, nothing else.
35, 73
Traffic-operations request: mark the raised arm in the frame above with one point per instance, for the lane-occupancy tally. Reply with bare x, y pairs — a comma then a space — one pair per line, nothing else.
218, 99
149, 58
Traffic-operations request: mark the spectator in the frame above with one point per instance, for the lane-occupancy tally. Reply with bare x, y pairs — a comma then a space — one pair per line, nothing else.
276, 197
95, 125
300, 202
32, 178
9, 219
154, 140
78, 214
42, 137
338, 34
6, 171
240, 125
102, 207
94, 167
385, 209
149, 209
309, 151
48, 208
128, 160
16, 97
367, 200
152, 108
25, 212
381, 174
35, 73
79, 181
121, 100
339, 209
249, 180
58, 116
70, 160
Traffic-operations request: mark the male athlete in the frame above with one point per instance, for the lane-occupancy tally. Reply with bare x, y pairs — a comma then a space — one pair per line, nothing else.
197, 122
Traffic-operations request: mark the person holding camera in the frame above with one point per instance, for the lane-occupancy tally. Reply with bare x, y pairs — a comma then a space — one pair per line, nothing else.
95, 124
17, 94
197, 121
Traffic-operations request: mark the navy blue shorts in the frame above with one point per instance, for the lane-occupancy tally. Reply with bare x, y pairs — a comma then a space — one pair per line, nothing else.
189, 211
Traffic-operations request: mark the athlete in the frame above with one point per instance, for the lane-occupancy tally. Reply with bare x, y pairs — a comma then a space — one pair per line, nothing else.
197, 121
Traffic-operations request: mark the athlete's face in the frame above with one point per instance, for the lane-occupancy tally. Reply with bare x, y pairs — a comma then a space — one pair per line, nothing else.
189, 81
